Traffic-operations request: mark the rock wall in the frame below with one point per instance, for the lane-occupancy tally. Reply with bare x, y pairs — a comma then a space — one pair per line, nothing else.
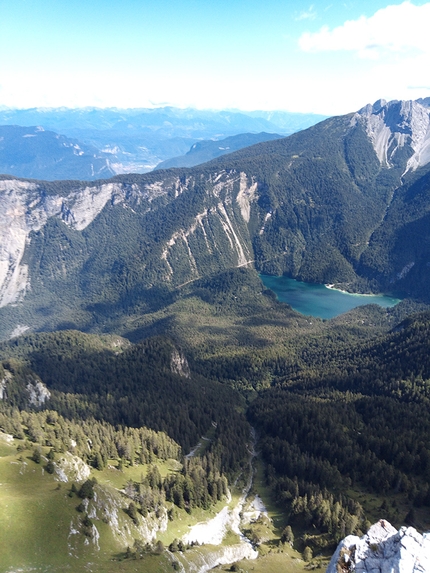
383, 550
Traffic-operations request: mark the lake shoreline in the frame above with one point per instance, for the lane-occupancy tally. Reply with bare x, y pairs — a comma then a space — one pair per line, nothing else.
321, 300
332, 287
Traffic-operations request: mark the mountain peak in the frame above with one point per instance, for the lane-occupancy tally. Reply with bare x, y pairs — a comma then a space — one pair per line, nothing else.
383, 548
395, 125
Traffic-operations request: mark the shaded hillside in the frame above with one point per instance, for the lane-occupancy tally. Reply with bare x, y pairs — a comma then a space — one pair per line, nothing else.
353, 419
143, 385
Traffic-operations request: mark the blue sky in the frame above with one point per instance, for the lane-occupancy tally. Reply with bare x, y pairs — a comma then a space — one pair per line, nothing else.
322, 56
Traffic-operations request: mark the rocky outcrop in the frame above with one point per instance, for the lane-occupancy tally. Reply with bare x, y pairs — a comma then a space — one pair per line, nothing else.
179, 364
383, 550
25, 208
70, 468
204, 559
38, 393
3, 383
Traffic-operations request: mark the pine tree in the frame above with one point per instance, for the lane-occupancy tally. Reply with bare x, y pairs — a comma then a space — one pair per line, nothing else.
288, 535
307, 554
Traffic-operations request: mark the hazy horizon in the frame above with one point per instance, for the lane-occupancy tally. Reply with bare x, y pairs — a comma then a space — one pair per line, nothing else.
320, 57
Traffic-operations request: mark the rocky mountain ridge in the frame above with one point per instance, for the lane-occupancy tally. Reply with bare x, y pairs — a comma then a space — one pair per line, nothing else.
384, 549
26, 208
393, 125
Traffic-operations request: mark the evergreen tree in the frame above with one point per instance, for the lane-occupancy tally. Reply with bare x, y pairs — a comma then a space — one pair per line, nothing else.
307, 554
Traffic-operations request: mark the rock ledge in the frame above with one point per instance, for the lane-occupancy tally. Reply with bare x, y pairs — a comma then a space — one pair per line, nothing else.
383, 550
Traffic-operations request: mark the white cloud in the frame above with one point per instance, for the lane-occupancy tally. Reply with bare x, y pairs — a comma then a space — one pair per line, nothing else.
309, 14
401, 29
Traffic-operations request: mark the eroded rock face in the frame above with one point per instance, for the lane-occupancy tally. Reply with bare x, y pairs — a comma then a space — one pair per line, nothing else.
3, 384
38, 393
179, 364
394, 125
25, 206
71, 468
383, 550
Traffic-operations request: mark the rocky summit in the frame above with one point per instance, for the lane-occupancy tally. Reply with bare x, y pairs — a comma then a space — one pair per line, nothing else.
383, 550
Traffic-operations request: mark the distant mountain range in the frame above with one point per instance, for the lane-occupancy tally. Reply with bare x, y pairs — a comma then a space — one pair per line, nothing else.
203, 151
342, 202
136, 140
38, 154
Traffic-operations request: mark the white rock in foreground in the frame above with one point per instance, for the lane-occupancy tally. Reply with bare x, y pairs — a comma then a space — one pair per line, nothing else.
383, 550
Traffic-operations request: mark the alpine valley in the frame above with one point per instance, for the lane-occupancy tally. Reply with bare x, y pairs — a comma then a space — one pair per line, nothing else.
160, 409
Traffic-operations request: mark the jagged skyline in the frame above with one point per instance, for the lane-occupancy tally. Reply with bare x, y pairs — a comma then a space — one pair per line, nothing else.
320, 57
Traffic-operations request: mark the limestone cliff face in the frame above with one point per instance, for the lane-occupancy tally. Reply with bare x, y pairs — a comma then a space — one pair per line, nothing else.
35, 393
38, 393
395, 125
179, 364
383, 550
25, 206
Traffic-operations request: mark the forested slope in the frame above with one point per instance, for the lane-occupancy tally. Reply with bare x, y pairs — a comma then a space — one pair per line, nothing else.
354, 418
320, 205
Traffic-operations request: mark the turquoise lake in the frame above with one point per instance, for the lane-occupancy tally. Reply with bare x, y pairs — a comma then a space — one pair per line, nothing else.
319, 300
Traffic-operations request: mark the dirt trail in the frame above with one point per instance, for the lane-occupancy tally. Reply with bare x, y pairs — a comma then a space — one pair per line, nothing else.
213, 531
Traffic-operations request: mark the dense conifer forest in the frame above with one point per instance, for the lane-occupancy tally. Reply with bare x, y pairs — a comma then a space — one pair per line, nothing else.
327, 416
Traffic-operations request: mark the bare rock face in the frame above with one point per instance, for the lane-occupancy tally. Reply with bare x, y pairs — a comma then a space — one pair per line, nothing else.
383, 550
25, 206
393, 125
71, 468
179, 364
3, 384
38, 393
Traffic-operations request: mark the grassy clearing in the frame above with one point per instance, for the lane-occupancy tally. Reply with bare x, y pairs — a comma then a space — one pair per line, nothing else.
205, 441
393, 508
274, 508
37, 515
118, 479
274, 556
33, 509
271, 563
6, 449
39, 522
149, 564
184, 521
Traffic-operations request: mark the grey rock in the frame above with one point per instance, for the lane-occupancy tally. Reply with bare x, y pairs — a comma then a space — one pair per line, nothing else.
393, 125
383, 550
38, 393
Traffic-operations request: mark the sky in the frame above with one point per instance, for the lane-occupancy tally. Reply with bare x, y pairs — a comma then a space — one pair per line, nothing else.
325, 57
